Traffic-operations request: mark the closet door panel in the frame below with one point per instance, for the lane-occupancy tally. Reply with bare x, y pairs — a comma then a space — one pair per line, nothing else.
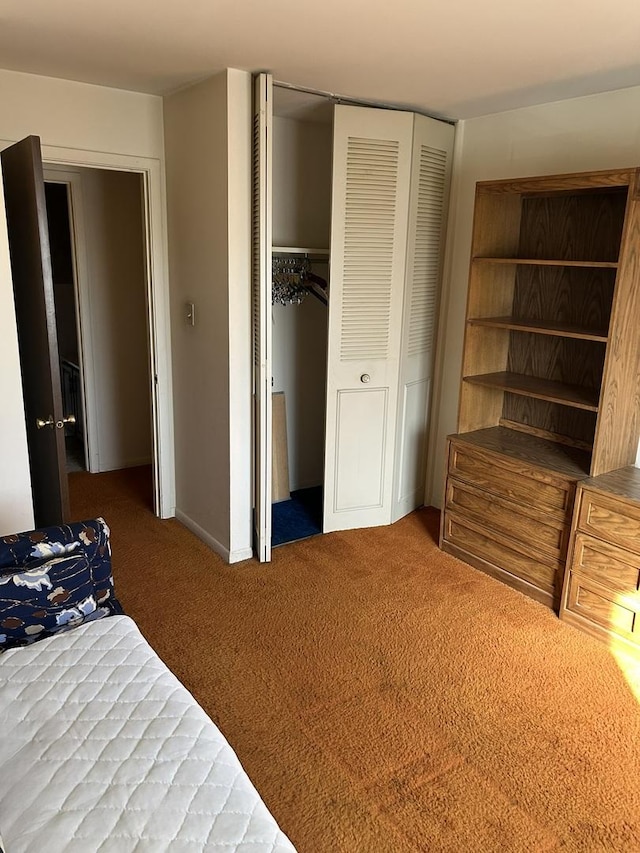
370, 203
360, 453
262, 332
430, 178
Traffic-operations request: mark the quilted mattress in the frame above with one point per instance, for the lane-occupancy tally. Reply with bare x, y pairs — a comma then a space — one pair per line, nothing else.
103, 749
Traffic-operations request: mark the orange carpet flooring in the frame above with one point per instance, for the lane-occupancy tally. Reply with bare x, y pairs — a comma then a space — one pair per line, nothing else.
385, 697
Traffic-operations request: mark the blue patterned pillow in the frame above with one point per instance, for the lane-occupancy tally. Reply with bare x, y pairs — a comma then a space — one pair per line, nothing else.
22, 550
54, 579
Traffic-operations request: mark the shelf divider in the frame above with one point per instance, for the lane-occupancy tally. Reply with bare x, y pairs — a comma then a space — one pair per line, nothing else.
537, 327
548, 262
541, 389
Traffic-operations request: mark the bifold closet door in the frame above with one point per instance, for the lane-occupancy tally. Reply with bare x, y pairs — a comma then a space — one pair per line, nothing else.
262, 286
430, 179
370, 204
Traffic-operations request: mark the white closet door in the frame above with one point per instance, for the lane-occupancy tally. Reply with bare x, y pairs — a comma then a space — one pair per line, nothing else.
370, 203
431, 172
262, 282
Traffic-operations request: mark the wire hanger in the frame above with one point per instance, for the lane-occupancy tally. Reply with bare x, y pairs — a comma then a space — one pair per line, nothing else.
293, 280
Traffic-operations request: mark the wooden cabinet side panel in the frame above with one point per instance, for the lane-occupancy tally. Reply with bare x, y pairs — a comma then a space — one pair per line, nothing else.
496, 232
480, 407
496, 225
618, 423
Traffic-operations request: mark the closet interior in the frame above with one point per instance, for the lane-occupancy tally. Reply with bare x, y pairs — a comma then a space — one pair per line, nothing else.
301, 224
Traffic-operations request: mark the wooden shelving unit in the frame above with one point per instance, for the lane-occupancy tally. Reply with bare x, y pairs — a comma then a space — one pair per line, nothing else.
551, 355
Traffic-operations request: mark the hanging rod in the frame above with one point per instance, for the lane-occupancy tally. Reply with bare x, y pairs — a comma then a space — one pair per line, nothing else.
356, 102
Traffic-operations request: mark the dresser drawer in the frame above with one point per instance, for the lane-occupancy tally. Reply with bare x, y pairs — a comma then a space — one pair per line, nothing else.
607, 564
604, 607
512, 479
474, 538
519, 522
609, 518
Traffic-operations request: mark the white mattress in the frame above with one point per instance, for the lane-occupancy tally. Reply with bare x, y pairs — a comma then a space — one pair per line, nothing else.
102, 749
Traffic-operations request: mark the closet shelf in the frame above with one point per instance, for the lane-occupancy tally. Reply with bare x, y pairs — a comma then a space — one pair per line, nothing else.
607, 265
299, 250
537, 327
542, 389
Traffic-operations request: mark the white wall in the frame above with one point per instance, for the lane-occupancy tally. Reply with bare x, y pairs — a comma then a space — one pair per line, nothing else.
112, 206
207, 138
582, 134
65, 115
302, 153
78, 115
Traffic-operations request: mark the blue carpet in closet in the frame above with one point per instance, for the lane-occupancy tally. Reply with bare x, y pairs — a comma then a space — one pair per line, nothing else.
297, 518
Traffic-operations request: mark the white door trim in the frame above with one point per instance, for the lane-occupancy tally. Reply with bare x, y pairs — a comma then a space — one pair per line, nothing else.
157, 300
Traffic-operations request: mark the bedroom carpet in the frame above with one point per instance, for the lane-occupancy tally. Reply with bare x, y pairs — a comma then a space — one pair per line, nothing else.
385, 697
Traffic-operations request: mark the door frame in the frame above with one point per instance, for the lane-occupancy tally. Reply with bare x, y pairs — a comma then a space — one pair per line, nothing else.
158, 303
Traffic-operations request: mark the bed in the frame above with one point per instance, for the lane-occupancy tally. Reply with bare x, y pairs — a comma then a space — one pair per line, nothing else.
102, 748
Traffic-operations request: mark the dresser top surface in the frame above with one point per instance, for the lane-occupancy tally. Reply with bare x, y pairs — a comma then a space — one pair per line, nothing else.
568, 461
625, 483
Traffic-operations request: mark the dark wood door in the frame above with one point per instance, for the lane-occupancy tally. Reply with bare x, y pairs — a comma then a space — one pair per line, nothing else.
36, 321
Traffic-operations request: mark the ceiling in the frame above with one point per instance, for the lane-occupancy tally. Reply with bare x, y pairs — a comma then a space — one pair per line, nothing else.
449, 58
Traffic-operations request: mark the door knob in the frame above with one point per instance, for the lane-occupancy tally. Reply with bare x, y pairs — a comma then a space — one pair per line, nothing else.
42, 424
70, 419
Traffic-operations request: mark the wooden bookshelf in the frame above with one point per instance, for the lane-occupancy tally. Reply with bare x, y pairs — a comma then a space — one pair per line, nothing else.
551, 365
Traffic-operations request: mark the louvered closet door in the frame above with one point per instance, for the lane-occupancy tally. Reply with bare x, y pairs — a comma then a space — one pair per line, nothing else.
262, 283
430, 178
370, 202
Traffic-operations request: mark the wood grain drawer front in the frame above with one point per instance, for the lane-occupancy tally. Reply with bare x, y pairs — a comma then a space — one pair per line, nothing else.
511, 479
524, 524
471, 537
608, 518
604, 607
608, 564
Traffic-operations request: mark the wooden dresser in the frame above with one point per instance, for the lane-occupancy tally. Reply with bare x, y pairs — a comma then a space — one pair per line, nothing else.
508, 506
601, 593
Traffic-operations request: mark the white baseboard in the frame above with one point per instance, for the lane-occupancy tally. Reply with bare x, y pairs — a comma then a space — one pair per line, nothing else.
240, 554
228, 556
